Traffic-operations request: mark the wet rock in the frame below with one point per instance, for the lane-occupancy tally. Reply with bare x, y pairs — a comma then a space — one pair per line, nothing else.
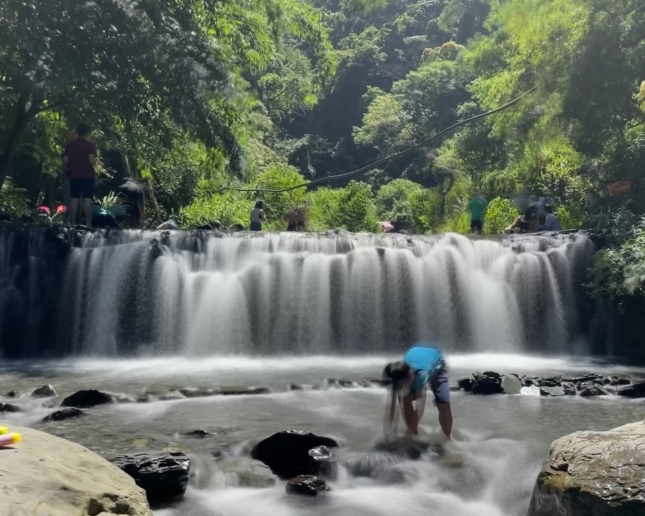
12, 394
8, 407
404, 448
240, 391
593, 473
145, 398
200, 434
87, 398
636, 390
46, 391
163, 478
492, 374
307, 485
511, 384
590, 377
528, 381
617, 379
66, 413
466, 384
589, 392
551, 391
248, 472
48, 476
192, 392
549, 382
485, 384
569, 389
346, 383
288, 453
171, 396
296, 387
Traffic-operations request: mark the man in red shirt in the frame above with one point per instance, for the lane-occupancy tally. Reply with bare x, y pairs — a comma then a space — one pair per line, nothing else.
80, 159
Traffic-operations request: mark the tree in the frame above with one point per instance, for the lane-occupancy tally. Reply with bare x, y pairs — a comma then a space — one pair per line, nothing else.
117, 63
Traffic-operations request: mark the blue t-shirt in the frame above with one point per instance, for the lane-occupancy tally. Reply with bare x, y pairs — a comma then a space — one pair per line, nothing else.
426, 362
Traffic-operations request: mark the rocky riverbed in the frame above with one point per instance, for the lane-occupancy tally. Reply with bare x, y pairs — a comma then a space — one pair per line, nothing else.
215, 411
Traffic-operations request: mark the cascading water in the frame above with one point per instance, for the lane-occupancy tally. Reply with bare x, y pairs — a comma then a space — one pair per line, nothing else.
129, 293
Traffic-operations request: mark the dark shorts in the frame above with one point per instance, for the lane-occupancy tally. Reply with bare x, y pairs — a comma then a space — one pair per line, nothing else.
476, 226
440, 386
256, 226
81, 188
291, 227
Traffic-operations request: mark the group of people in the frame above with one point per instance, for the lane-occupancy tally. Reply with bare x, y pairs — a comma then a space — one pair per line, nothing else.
295, 218
529, 222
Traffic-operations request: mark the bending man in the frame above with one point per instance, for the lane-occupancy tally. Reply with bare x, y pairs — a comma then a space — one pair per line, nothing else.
422, 367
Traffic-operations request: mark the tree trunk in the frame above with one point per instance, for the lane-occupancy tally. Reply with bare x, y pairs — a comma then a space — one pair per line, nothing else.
23, 118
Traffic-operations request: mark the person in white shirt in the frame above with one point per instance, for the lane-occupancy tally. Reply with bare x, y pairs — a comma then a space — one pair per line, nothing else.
257, 216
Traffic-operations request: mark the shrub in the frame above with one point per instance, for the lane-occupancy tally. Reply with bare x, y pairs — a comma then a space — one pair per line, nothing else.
500, 214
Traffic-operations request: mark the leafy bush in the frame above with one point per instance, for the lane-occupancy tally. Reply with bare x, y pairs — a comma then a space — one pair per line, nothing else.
620, 271
276, 205
351, 208
323, 211
500, 214
229, 208
408, 205
458, 222
14, 201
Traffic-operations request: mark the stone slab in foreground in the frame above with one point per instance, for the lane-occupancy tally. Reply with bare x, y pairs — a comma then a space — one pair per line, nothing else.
594, 474
61, 478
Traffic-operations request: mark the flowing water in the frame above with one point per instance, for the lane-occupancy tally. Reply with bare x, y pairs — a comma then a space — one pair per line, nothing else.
134, 312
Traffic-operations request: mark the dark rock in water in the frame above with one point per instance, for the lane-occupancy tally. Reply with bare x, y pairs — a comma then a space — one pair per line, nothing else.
528, 381
569, 389
46, 391
66, 413
492, 374
288, 453
617, 379
636, 390
12, 394
239, 391
405, 448
346, 383
487, 385
199, 433
549, 382
466, 384
323, 462
8, 407
296, 387
552, 391
583, 378
162, 478
191, 392
588, 392
307, 485
86, 399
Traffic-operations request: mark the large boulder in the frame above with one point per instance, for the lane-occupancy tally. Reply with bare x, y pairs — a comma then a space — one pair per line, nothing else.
488, 383
8, 407
87, 398
636, 390
163, 478
593, 474
44, 474
294, 452
66, 413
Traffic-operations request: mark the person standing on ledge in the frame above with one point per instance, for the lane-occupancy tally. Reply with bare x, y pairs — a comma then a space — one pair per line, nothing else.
477, 206
257, 216
422, 367
80, 160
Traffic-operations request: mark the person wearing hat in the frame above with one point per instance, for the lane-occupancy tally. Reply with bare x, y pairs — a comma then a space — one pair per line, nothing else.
421, 368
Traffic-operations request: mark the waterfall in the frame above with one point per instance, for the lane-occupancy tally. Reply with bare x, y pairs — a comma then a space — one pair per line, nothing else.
195, 294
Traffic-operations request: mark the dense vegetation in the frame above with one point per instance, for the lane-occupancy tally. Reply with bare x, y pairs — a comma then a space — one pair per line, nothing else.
198, 95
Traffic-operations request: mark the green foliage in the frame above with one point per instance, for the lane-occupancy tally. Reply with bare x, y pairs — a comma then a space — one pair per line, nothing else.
350, 208
408, 206
276, 205
500, 214
14, 201
229, 208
